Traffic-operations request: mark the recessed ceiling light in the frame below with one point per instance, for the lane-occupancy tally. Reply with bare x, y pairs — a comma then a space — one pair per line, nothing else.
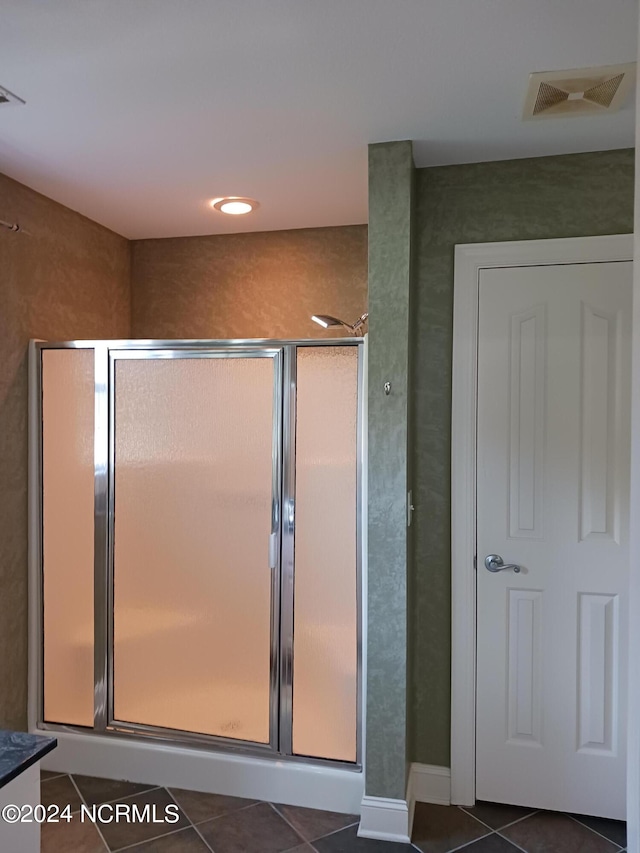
234, 205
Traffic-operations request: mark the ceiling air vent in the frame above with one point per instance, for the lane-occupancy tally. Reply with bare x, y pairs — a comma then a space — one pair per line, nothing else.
578, 91
7, 97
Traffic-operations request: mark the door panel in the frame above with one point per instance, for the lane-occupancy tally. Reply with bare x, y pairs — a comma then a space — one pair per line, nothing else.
552, 496
193, 492
67, 524
325, 648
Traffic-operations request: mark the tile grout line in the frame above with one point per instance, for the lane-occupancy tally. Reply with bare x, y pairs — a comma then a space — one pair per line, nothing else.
121, 799
117, 799
595, 831
202, 838
76, 811
149, 840
193, 825
511, 841
95, 823
491, 830
480, 821
318, 837
224, 814
519, 820
473, 841
288, 822
333, 832
410, 846
130, 796
155, 837
51, 778
513, 823
504, 825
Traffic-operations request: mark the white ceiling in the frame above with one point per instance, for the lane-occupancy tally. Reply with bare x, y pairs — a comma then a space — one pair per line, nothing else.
140, 111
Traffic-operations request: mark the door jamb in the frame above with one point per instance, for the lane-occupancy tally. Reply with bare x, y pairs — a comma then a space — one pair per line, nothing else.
470, 259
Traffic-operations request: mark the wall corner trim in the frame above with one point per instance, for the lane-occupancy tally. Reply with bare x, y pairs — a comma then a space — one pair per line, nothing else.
385, 819
429, 783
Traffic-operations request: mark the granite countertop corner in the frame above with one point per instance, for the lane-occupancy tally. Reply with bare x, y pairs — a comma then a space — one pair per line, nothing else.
19, 750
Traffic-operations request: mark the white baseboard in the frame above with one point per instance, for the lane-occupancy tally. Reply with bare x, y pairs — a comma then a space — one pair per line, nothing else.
384, 819
429, 783
392, 820
291, 782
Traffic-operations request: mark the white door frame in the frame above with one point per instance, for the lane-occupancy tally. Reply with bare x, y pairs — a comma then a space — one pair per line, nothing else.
469, 260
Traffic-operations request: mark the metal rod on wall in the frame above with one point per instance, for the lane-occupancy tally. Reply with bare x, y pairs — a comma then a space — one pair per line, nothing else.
10, 226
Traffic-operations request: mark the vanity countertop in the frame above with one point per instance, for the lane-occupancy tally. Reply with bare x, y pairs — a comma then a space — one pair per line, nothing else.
19, 750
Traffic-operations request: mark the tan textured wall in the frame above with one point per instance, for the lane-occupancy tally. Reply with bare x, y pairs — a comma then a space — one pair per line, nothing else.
64, 277
260, 285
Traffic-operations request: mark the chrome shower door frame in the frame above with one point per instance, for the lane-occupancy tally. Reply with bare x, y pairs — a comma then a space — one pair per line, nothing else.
107, 352
35, 698
289, 400
105, 527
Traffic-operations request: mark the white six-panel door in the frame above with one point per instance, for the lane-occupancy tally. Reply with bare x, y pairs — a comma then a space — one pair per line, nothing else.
552, 497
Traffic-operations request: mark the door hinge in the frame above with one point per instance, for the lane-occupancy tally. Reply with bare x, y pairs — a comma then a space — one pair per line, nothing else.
475, 562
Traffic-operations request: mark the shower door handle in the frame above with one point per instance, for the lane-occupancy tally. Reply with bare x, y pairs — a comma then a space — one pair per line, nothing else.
273, 550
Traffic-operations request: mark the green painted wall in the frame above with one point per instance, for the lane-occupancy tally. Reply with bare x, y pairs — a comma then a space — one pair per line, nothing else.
391, 175
567, 196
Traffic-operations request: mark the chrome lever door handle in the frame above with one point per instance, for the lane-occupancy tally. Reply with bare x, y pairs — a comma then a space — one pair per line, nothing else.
495, 563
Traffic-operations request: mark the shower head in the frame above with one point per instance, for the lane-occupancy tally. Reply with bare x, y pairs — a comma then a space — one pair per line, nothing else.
325, 320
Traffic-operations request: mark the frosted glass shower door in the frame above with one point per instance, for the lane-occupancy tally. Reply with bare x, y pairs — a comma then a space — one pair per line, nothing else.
195, 495
325, 637
67, 383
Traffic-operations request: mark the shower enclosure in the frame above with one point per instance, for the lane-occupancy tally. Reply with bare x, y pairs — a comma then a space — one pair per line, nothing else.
196, 536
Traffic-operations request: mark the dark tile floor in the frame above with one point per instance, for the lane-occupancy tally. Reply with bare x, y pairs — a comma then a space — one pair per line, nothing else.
492, 828
209, 822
